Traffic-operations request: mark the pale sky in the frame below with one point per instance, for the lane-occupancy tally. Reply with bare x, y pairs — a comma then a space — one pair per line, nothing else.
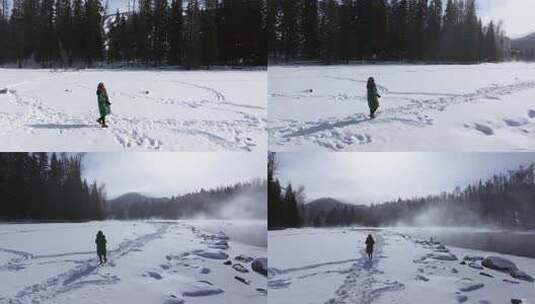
166, 174
365, 178
517, 15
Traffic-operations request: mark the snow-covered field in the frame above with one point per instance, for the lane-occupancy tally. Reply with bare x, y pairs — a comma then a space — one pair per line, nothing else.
329, 266
167, 262
486, 107
45, 110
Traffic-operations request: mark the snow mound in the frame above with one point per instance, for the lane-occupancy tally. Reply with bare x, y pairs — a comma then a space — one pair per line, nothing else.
214, 246
260, 265
516, 122
172, 299
422, 278
216, 255
467, 285
461, 298
484, 129
154, 275
500, 264
531, 113
443, 256
201, 289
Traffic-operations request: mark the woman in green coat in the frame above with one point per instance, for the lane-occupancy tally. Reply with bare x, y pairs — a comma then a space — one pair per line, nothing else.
103, 104
101, 247
373, 101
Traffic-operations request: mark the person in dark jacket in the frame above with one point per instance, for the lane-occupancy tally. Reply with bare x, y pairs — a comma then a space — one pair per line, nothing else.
101, 247
369, 246
373, 101
103, 104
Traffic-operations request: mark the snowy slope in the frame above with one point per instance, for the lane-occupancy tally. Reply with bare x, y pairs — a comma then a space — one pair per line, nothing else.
329, 266
149, 262
485, 107
151, 110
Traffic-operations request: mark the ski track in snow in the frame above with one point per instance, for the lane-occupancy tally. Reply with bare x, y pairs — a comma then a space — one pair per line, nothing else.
338, 133
136, 133
361, 284
73, 278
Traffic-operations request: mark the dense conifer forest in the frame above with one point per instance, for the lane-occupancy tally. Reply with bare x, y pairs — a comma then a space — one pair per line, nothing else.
416, 30
190, 34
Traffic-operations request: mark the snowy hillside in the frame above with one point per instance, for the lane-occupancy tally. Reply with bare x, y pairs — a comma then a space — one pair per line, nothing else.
487, 107
46, 110
329, 266
148, 262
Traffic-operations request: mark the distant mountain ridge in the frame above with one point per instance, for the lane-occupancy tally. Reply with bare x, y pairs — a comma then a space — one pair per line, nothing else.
134, 198
239, 201
321, 207
526, 42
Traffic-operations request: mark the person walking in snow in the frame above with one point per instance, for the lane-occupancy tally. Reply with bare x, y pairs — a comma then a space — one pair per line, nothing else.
369, 246
103, 104
373, 101
101, 247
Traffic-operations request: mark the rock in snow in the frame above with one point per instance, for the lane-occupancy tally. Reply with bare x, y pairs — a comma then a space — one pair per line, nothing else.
522, 276
240, 268
475, 266
467, 285
505, 265
260, 265
500, 264
244, 281
244, 258
473, 258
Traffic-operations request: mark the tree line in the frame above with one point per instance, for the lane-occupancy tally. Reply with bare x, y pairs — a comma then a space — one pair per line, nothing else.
193, 33
285, 205
239, 201
415, 30
41, 187
505, 200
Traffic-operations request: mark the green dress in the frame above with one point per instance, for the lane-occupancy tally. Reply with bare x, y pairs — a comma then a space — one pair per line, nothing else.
103, 106
373, 102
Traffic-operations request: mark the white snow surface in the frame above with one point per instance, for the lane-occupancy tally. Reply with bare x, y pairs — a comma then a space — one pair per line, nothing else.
330, 266
148, 262
485, 107
51, 110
